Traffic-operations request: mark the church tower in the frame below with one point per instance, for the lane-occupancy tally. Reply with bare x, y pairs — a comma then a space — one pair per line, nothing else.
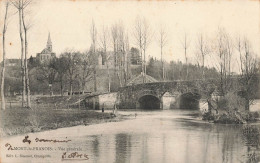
49, 43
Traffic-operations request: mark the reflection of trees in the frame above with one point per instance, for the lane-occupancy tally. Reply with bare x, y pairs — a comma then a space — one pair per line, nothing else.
187, 153
206, 146
95, 146
228, 145
251, 136
164, 147
237, 143
123, 147
144, 148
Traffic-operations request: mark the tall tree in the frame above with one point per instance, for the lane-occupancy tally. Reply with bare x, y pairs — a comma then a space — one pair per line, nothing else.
143, 36
120, 52
114, 34
61, 67
73, 61
119, 38
202, 51
93, 35
26, 27
4, 53
104, 38
19, 6
138, 36
162, 40
127, 64
86, 69
47, 73
147, 38
123, 48
185, 45
224, 50
249, 70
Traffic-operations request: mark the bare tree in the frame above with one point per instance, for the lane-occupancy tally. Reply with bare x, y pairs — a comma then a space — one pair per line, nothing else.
230, 50
73, 61
138, 36
114, 34
143, 36
224, 51
127, 59
26, 27
162, 40
104, 38
185, 45
121, 52
61, 67
249, 69
123, 49
47, 73
203, 51
20, 5
86, 70
93, 35
4, 53
119, 45
147, 38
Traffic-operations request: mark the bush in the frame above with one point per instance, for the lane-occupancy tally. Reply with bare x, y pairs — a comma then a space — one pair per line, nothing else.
228, 118
232, 110
208, 117
250, 116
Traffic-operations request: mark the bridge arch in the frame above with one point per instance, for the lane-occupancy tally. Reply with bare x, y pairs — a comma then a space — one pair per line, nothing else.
189, 100
149, 102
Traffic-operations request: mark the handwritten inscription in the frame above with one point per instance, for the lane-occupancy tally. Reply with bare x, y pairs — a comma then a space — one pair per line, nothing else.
49, 140
27, 140
74, 156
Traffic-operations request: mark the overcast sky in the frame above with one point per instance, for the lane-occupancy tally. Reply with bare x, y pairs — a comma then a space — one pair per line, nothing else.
69, 23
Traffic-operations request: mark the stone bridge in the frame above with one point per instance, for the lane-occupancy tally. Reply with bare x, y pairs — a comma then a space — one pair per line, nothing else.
184, 94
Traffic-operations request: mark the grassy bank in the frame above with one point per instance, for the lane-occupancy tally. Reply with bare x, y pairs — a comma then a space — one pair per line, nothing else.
20, 120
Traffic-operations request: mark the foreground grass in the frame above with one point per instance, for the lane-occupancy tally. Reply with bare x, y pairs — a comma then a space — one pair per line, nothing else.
19, 120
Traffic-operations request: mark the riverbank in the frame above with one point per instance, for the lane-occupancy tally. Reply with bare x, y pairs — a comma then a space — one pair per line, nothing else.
18, 120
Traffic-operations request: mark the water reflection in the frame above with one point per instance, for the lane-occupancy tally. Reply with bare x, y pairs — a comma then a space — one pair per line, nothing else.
165, 139
95, 146
123, 147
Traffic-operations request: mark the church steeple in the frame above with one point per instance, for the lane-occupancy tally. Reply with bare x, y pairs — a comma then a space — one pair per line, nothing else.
49, 43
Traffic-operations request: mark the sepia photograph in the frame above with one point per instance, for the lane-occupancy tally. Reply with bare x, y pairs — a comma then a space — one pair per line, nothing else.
141, 81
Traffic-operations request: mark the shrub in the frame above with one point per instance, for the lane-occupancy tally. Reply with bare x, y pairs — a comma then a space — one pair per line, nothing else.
232, 110
208, 116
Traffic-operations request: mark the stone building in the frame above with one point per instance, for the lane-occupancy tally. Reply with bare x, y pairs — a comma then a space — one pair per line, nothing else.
47, 54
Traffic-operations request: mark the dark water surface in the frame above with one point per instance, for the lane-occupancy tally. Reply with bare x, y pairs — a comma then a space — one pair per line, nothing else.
171, 136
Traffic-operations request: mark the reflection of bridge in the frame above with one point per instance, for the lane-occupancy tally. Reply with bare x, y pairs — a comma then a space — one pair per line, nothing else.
149, 95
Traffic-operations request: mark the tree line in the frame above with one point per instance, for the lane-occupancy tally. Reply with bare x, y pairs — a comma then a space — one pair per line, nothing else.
82, 67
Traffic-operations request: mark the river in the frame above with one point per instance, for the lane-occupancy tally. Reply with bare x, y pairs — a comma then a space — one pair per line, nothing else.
157, 136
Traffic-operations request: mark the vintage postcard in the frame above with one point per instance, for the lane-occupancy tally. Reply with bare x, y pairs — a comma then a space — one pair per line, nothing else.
130, 81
